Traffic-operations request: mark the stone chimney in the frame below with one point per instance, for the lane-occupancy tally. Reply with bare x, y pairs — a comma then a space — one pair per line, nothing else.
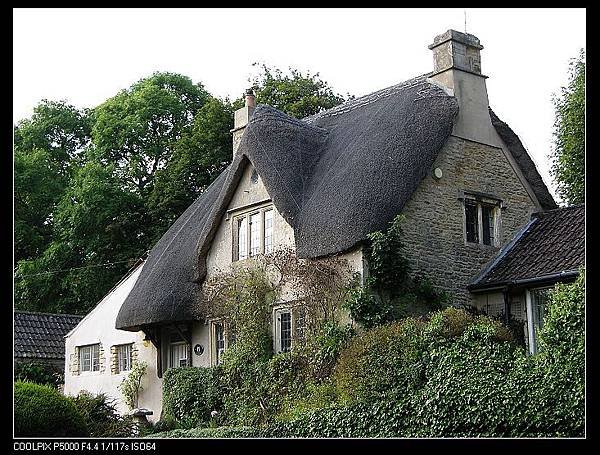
242, 117
457, 67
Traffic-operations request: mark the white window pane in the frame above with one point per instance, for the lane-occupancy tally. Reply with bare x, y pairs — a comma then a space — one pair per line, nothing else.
242, 239
268, 231
254, 234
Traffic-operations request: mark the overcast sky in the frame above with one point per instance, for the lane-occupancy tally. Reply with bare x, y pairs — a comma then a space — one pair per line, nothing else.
85, 56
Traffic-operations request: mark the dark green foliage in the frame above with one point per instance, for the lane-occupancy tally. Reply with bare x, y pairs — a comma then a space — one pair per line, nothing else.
568, 167
101, 417
451, 374
42, 411
475, 382
296, 94
390, 291
39, 373
189, 396
137, 129
220, 432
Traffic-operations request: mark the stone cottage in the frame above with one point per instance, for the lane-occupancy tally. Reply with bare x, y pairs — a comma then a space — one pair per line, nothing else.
430, 148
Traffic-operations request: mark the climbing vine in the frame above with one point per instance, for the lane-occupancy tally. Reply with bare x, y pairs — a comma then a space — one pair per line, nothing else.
390, 291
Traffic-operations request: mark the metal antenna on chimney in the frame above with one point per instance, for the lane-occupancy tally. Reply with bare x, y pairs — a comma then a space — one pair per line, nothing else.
465, 11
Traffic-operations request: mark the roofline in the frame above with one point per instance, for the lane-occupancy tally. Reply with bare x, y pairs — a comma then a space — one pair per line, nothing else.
139, 263
17, 356
503, 251
557, 276
542, 213
49, 314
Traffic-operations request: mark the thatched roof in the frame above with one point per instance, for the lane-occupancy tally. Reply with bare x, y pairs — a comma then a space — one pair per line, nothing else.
335, 177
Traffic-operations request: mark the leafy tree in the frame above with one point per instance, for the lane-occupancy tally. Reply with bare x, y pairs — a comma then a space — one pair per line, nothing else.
201, 154
56, 127
137, 129
96, 222
45, 148
297, 94
568, 157
38, 184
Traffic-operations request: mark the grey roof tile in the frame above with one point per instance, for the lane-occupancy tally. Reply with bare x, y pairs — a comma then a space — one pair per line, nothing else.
41, 335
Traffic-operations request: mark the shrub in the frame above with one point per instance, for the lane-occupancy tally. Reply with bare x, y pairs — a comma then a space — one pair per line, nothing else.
190, 394
38, 372
42, 411
101, 417
219, 432
383, 361
466, 387
132, 384
254, 393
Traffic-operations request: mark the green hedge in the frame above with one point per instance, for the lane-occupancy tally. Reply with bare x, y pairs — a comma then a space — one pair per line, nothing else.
475, 383
39, 372
190, 394
42, 411
450, 374
220, 432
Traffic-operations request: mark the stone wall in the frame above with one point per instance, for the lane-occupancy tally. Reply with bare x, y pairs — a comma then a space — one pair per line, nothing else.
434, 224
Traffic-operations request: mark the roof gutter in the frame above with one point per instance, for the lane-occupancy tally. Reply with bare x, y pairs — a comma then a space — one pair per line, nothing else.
558, 276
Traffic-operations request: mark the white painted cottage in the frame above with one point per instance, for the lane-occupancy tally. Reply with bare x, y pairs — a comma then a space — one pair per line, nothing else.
99, 356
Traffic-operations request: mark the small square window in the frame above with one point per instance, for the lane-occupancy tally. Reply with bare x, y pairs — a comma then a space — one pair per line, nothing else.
481, 220
89, 358
124, 357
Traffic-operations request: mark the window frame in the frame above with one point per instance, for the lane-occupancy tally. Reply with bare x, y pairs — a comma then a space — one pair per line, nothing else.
215, 357
531, 326
480, 202
174, 338
247, 215
293, 310
129, 358
80, 351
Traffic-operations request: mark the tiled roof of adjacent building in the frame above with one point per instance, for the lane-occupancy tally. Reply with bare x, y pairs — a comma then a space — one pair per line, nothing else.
41, 335
551, 245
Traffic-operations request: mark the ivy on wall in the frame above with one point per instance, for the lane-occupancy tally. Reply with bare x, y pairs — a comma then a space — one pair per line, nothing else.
390, 291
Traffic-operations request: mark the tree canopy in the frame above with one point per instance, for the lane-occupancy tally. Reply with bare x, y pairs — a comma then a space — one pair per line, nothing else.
568, 156
96, 188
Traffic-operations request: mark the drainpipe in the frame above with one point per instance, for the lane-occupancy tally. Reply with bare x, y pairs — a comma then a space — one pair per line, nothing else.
506, 305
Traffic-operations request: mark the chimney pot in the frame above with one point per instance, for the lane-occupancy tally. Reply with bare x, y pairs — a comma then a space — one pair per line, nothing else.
250, 98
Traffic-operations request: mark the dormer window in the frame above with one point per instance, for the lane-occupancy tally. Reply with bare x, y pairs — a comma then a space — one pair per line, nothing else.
482, 220
253, 233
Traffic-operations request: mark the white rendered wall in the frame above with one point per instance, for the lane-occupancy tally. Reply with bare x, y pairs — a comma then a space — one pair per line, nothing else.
99, 327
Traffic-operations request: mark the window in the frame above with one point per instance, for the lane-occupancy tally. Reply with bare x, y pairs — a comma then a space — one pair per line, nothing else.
89, 358
242, 230
222, 335
268, 231
253, 233
289, 327
481, 220
536, 309
124, 357
219, 337
178, 351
